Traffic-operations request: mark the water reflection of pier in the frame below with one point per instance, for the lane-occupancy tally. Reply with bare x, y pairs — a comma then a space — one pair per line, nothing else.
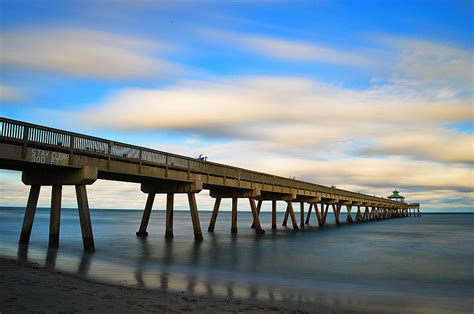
192, 283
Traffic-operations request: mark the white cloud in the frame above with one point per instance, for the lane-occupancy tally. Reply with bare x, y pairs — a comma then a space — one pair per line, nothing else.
288, 49
445, 145
294, 113
9, 94
82, 52
424, 62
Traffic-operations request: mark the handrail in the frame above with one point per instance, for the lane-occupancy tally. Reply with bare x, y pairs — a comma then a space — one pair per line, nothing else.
77, 143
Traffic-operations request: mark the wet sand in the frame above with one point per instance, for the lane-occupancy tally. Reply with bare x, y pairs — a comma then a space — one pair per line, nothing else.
27, 287
30, 287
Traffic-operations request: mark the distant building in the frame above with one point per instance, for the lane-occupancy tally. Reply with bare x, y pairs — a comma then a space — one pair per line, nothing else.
396, 196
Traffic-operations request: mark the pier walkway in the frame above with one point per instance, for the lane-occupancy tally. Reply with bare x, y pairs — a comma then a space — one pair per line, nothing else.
52, 157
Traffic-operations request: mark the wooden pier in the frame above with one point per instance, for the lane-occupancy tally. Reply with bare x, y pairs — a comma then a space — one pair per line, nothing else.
52, 157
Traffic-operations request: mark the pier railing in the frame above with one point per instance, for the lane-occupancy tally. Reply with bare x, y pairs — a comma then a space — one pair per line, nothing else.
31, 135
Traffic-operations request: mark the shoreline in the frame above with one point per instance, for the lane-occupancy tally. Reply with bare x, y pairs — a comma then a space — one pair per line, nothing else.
31, 287
27, 286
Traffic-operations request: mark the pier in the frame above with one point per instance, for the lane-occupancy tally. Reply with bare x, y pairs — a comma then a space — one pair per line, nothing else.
53, 157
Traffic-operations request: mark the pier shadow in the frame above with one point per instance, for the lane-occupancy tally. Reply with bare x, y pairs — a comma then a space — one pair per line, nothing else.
85, 264
22, 253
51, 257
144, 256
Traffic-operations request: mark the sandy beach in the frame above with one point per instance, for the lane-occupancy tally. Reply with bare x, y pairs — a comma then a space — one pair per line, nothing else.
27, 287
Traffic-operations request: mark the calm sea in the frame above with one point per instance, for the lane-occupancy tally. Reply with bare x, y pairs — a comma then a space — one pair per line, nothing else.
403, 265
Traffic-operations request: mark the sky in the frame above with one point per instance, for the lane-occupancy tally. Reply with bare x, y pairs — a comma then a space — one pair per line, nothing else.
365, 95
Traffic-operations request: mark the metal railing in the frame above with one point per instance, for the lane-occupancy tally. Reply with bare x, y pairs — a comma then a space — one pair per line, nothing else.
36, 135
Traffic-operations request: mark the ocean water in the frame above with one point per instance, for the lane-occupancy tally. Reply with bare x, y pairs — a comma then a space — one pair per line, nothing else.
413, 264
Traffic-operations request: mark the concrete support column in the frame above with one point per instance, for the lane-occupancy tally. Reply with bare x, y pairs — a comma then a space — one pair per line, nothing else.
55, 216
29, 214
302, 214
308, 216
349, 214
146, 216
256, 220
169, 215
233, 228
215, 211
85, 218
318, 214
274, 214
259, 208
292, 215
336, 209
195, 217
359, 214
325, 214
287, 213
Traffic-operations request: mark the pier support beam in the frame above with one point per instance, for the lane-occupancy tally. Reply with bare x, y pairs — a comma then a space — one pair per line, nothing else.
169, 215
29, 214
349, 214
302, 214
146, 215
85, 218
319, 214
308, 216
324, 213
233, 228
274, 214
215, 211
359, 215
285, 218
195, 217
56, 178
55, 216
256, 219
292, 215
336, 209
366, 214
259, 208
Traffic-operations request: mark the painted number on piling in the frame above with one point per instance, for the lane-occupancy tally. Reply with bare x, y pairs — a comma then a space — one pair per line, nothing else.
47, 157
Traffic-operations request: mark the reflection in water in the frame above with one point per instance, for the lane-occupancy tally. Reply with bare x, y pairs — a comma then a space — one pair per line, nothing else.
217, 252
194, 258
196, 281
143, 257
168, 260
51, 256
22, 253
85, 264
282, 265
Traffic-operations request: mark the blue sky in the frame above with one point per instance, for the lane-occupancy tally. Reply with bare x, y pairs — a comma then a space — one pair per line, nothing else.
366, 95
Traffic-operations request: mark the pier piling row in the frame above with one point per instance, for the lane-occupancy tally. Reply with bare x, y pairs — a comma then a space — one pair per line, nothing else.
53, 157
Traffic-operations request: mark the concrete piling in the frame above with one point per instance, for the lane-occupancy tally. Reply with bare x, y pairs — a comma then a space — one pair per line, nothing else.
146, 216
85, 218
169, 215
55, 216
29, 214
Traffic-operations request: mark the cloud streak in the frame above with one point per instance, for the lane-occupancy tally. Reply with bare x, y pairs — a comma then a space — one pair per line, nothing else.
9, 94
294, 113
287, 49
432, 62
84, 53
